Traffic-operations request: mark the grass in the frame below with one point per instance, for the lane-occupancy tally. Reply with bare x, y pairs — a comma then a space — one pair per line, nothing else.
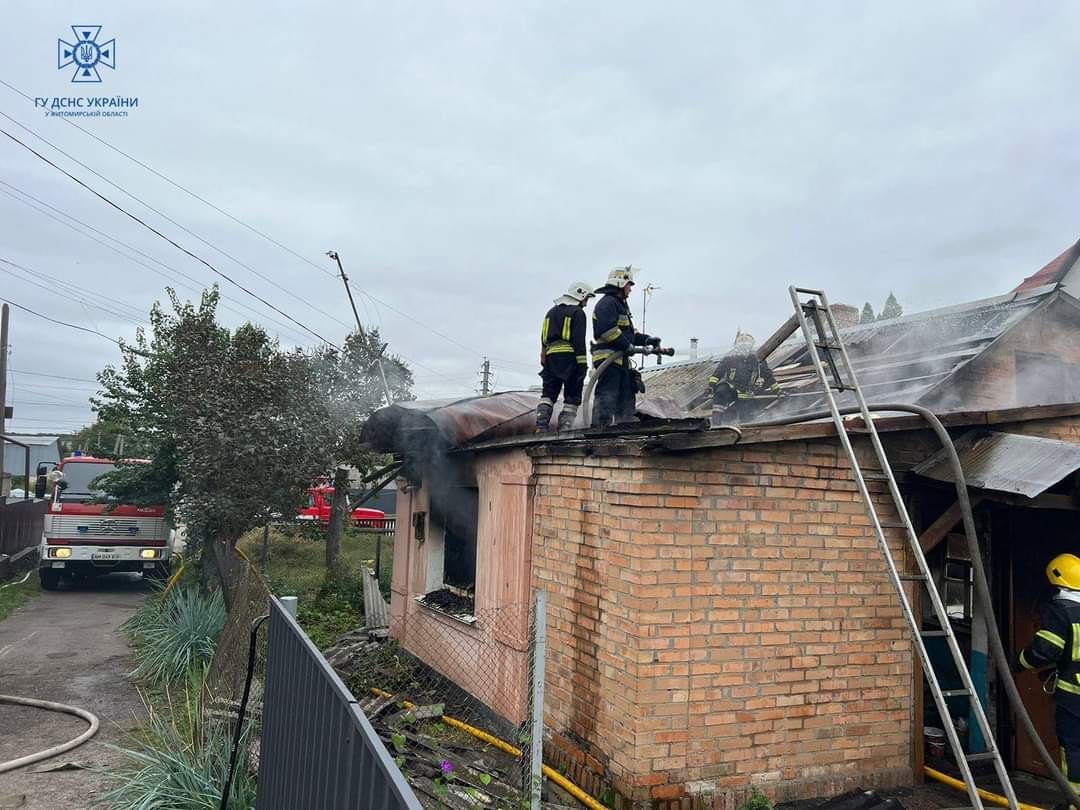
171, 638
297, 567
15, 596
177, 759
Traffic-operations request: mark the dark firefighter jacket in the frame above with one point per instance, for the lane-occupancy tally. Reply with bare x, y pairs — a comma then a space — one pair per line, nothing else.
563, 332
1057, 644
613, 329
744, 375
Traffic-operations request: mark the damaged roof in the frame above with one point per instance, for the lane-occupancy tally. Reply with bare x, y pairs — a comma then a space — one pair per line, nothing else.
436, 424
897, 360
1006, 462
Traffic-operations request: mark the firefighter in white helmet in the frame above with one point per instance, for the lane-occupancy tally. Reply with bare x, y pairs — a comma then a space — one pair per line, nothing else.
563, 361
613, 334
738, 378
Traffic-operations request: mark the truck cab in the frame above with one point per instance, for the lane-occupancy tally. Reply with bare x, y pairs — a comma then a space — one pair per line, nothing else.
85, 535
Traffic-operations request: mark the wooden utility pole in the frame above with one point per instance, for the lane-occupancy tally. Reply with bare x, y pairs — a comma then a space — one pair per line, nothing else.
3, 400
3, 371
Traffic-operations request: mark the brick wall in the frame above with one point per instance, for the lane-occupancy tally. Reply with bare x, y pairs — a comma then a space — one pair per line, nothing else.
719, 620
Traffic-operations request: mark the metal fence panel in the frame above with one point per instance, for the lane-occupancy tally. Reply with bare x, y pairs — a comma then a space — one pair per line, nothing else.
21, 524
317, 749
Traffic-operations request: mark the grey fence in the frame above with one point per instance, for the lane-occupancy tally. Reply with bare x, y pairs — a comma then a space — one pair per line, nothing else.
317, 749
20, 524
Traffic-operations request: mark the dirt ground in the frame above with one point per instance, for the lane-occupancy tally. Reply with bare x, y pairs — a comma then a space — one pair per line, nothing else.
65, 647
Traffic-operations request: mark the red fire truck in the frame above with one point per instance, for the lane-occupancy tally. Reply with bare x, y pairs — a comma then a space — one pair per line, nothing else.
86, 536
318, 508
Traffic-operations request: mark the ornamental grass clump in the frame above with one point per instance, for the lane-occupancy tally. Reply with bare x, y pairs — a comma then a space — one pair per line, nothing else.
175, 635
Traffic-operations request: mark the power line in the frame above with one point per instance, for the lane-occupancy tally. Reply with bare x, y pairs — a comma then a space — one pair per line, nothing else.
62, 323
168, 239
60, 292
223, 212
172, 221
53, 376
195, 286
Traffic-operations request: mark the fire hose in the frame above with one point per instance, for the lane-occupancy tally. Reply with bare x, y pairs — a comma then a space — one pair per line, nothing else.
982, 588
585, 416
56, 750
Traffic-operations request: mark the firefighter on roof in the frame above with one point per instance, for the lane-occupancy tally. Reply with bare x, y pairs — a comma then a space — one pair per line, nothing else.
564, 363
614, 333
737, 379
1057, 645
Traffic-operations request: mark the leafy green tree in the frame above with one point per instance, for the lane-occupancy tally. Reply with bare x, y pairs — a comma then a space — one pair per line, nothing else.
354, 388
237, 427
892, 309
867, 314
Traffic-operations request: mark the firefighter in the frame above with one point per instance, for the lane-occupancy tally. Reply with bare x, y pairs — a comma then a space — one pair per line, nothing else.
564, 363
613, 331
738, 377
1057, 645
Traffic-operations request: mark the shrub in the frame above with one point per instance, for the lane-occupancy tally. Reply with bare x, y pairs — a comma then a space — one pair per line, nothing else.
178, 761
757, 801
170, 637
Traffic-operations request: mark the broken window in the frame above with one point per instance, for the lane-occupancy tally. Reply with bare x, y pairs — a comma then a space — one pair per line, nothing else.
452, 557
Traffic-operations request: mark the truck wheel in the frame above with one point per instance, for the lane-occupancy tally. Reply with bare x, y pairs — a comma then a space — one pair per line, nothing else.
50, 579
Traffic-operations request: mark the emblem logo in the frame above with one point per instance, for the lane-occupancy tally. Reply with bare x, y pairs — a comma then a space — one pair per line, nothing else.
86, 54
107, 527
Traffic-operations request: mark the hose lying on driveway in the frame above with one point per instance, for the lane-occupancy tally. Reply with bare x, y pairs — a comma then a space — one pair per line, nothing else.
56, 750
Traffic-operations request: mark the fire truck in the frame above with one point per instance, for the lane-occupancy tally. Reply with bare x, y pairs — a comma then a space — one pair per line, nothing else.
318, 505
85, 535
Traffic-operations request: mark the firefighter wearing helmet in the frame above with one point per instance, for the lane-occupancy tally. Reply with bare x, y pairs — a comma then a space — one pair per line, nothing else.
1056, 646
614, 333
563, 361
738, 378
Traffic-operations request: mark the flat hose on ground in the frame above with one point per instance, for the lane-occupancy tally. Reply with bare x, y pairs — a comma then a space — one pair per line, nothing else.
982, 588
56, 750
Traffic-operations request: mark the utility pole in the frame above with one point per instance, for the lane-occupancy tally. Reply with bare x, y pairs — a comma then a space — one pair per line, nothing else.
3, 398
3, 370
333, 254
348, 290
485, 378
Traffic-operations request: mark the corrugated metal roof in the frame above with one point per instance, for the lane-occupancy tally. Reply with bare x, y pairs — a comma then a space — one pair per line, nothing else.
452, 423
1006, 462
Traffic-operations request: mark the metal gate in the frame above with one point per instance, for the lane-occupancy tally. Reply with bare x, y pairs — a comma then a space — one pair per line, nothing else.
317, 749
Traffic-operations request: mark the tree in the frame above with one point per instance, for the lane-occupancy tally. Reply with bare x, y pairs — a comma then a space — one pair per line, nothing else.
867, 314
892, 308
106, 440
237, 428
354, 390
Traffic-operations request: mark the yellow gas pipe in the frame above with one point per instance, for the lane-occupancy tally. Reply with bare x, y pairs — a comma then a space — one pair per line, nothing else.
502, 745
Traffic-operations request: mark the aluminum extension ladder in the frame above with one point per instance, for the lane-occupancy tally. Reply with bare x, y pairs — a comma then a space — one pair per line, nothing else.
836, 374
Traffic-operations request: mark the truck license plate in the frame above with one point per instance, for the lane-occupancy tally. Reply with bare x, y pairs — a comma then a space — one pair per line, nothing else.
105, 556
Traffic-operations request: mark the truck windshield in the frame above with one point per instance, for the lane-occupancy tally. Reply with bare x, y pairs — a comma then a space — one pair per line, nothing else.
78, 478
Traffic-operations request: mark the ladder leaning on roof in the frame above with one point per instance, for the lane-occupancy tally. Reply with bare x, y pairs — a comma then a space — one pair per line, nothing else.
836, 374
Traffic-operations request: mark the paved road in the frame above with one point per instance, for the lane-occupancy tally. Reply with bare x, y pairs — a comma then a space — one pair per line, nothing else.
65, 647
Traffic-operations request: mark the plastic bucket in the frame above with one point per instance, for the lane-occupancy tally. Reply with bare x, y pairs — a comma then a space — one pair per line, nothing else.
935, 741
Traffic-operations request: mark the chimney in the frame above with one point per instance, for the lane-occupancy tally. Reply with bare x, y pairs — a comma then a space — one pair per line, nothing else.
845, 315
693, 349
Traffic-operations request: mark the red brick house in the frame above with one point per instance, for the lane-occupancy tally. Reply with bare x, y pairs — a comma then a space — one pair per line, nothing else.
719, 613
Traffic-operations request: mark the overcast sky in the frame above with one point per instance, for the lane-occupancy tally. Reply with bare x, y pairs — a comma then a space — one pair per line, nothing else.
470, 160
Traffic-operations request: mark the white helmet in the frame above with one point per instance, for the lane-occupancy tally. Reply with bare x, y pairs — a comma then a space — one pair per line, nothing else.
744, 340
621, 276
578, 293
